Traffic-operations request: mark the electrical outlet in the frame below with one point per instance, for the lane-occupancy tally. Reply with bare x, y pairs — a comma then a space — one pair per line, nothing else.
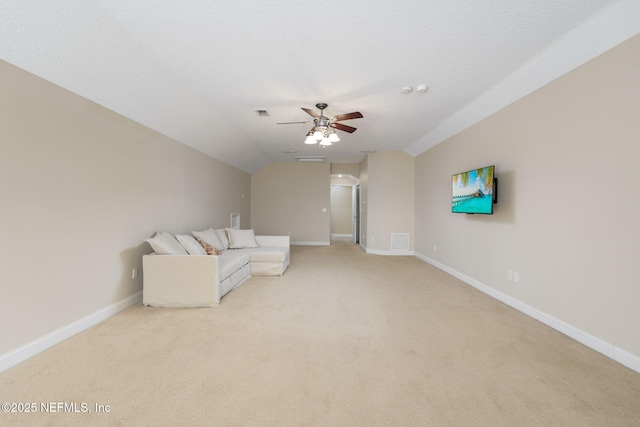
435, 248
516, 277
134, 273
509, 274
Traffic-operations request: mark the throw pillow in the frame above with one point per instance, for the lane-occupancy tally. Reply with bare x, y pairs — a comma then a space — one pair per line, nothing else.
210, 237
164, 243
208, 249
190, 244
239, 239
222, 235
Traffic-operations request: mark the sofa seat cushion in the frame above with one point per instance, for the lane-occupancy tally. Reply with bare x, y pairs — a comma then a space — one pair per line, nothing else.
269, 254
263, 254
231, 261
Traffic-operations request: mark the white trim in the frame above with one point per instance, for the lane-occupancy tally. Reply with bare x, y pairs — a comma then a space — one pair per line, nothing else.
619, 355
235, 220
28, 350
303, 243
341, 235
389, 253
627, 359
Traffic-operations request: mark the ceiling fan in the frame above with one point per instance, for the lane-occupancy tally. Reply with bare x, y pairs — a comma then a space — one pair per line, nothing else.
322, 132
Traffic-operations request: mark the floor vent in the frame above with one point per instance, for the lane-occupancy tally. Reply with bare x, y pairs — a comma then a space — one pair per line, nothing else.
399, 242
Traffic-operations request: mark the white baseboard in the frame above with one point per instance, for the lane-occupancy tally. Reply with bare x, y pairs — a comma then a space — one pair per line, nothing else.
389, 253
386, 253
333, 236
28, 350
303, 243
623, 357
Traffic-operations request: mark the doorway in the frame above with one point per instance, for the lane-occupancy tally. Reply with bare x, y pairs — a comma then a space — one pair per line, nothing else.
345, 215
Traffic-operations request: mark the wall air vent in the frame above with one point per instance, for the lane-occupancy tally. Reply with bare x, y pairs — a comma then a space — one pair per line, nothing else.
262, 113
399, 242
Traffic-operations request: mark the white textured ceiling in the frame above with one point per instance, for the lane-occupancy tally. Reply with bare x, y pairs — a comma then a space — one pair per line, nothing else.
196, 70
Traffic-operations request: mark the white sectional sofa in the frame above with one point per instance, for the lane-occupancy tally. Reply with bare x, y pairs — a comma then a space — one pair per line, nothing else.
187, 277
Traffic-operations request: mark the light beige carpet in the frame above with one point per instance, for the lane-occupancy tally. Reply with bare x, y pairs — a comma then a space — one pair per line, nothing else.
342, 339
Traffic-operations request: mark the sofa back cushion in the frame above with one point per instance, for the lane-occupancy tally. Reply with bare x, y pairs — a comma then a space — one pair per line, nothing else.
190, 244
224, 238
164, 243
240, 239
210, 237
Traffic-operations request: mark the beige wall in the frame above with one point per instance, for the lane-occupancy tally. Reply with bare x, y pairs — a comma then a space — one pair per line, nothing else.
82, 187
345, 169
389, 199
567, 159
289, 198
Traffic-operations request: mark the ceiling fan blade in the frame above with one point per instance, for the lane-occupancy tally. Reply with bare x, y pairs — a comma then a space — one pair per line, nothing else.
292, 123
311, 113
342, 127
348, 116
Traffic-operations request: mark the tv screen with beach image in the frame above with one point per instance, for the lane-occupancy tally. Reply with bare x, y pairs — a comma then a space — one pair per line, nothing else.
472, 191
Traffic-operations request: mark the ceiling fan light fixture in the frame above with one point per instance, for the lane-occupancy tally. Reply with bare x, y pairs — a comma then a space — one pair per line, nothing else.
324, 130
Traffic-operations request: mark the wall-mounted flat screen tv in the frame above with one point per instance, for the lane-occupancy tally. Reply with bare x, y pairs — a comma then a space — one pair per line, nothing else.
474, 191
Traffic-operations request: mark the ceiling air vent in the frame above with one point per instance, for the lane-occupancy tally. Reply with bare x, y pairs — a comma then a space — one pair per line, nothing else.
310, 158
262, 113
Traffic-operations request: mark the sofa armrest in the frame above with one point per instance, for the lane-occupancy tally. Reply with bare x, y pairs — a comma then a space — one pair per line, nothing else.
180, 280
273, 241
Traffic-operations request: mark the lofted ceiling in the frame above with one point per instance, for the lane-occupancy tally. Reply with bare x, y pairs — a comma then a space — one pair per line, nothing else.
198, 70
